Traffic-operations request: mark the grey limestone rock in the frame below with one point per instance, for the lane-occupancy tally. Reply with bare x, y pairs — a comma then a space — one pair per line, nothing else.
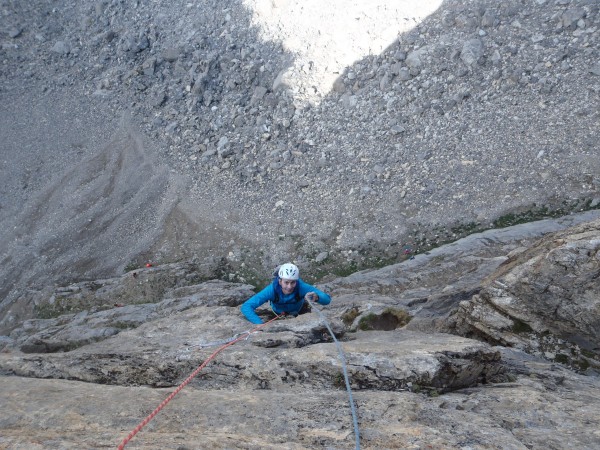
61, 47
545, 299
471, 51
430, 387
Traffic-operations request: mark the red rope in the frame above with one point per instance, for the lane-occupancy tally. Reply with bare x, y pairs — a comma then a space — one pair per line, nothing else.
144, 422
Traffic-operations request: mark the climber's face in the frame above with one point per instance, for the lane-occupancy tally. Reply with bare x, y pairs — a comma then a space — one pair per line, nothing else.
287, 286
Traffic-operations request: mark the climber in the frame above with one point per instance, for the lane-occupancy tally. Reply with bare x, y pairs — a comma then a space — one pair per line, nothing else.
287, 294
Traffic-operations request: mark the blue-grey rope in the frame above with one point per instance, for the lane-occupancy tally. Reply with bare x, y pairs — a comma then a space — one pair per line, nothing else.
341, 355
345, 370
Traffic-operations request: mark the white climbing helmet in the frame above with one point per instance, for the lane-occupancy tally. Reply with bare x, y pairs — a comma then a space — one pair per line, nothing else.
289, 271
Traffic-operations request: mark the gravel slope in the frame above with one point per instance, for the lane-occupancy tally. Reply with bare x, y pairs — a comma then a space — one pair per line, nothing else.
261, 131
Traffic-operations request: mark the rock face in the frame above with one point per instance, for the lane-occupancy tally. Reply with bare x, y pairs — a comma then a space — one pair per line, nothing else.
87, 346
545, 407
545, 299
428, 360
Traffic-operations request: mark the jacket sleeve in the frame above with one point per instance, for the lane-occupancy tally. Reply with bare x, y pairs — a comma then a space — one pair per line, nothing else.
249, 306
305, 288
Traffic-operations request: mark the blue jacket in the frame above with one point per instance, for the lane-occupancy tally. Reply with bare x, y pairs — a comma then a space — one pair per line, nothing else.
287, 303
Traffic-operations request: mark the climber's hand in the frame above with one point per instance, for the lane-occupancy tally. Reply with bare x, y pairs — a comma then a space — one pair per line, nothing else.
312, 297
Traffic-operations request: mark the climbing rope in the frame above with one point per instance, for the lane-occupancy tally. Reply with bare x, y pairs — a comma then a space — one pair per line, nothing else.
224, 341
345, 370
193, 347
144, 422
231, 341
